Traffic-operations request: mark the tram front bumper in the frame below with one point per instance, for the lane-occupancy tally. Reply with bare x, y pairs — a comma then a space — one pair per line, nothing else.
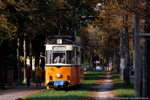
58, 83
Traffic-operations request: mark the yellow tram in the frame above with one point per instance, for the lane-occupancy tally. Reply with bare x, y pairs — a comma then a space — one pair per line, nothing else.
63, 67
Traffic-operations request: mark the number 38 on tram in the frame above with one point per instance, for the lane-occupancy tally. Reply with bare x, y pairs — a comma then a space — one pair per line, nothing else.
63, 66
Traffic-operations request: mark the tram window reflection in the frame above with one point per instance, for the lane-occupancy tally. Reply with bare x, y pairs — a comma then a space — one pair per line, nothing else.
58, 57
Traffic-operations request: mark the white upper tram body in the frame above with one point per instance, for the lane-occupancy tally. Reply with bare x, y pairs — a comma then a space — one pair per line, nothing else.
63, 52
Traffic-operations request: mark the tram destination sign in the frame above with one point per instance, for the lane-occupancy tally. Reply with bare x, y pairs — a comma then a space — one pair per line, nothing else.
59, 48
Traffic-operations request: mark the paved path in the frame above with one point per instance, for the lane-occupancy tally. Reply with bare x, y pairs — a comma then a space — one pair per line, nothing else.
104, 88
13, 93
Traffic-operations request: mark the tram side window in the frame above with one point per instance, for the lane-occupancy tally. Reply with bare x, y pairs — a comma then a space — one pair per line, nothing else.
48, 56
70, 59
58, 58
82, 57
77, 57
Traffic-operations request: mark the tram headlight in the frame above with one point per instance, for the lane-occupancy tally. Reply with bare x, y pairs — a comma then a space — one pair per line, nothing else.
47, 82
58, 75
69, 81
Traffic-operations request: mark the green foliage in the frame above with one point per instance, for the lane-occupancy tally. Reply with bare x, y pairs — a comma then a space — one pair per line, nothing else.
32, 18
7, 29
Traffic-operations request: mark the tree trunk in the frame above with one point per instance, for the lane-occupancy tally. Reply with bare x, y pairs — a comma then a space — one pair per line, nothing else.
30, 54
37, 56
144, 70
127, 54
114, 63
146, 56
121, 53
137, 55
18, 59
91, 63
2, 58
25, 65
103, 62
148, 67
91, 60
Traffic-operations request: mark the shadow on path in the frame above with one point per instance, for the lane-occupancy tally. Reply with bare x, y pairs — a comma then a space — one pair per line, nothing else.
103, 89
15, 92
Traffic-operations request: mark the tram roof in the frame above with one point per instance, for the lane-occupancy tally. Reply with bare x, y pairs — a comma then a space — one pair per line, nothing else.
64, 41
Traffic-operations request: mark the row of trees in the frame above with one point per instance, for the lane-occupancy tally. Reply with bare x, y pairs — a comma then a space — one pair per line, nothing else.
119, 24
125, 20
112, 28
25, 25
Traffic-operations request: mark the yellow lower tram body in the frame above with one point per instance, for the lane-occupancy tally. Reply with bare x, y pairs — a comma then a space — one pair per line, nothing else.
63, 76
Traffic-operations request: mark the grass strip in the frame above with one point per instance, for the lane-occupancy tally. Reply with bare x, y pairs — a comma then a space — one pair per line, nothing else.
120, 90
78, 93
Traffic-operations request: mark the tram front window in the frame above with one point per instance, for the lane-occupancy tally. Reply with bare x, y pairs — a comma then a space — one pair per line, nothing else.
58, 58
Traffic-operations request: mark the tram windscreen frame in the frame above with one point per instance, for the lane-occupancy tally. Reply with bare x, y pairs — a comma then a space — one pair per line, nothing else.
48, 56
60, 57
